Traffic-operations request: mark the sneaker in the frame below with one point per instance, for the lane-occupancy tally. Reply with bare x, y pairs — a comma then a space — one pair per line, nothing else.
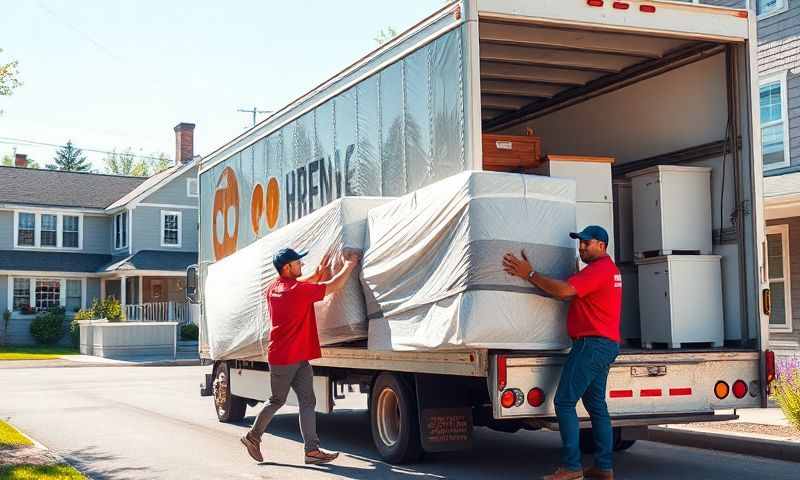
253, 448
598, 473
318, 457
565, 474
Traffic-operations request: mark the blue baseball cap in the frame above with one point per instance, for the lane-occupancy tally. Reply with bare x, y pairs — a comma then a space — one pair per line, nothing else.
284, 257
592, 232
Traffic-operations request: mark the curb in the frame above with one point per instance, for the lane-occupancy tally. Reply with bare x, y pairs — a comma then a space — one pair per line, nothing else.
760, 447
56, 457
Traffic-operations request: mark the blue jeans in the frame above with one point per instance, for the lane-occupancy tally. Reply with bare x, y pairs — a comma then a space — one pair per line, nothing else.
584, 377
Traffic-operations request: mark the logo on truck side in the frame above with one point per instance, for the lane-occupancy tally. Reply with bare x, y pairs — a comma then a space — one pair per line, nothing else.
225, 215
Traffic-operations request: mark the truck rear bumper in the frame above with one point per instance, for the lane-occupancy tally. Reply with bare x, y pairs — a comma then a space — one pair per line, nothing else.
551, 423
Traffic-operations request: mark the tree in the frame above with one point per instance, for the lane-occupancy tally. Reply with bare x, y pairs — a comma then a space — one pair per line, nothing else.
125, 163
8, 77
384, 35
70, 158
8, 161
159, 163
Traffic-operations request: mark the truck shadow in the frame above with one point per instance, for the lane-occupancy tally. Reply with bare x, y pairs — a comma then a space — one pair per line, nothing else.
86, 459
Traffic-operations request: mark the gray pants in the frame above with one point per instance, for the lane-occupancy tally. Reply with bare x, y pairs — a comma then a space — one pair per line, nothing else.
300, 377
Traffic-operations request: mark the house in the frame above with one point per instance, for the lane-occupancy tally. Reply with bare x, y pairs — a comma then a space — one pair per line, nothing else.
68, 238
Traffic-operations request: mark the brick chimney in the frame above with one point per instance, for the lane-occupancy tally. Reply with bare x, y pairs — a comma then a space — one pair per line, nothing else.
184, 143
21, 160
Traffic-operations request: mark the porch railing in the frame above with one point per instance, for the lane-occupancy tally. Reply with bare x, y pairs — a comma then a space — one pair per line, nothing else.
159, 312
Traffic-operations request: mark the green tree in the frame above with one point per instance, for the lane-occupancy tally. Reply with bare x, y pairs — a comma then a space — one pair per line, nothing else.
8, 161
126, 163
9, 77
384, 35
70, 158
159, 162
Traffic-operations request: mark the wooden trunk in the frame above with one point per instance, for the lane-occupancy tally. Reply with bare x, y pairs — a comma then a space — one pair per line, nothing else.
511, 153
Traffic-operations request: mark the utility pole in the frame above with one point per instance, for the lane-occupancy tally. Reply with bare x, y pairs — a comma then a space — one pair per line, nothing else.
254, 111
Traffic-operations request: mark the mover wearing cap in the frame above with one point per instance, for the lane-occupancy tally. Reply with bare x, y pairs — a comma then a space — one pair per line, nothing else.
293, 341
593, 319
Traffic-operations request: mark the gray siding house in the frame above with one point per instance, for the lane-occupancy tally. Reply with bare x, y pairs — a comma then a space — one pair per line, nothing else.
68, 238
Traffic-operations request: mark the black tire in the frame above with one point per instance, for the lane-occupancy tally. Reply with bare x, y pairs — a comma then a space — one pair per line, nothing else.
229, 407
394, 419
587, 441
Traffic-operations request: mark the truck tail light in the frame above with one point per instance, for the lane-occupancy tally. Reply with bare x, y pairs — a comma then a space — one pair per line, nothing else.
721, 390
769, 363
536, 397
507, 399
739, 389
621, 5
647, 8
502, 372
594, 3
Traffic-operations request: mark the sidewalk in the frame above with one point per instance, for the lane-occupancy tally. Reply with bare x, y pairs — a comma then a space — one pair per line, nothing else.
762, 432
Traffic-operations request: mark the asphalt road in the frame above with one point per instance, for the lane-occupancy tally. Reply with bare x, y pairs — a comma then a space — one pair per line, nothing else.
150, 422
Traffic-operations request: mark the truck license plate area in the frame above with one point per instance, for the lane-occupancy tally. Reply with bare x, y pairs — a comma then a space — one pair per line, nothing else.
649, 371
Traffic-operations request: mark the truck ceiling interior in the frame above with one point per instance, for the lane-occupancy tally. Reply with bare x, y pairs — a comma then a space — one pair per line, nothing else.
530, 70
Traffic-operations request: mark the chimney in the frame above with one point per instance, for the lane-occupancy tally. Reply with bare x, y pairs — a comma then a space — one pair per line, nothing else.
21, 160
184, 143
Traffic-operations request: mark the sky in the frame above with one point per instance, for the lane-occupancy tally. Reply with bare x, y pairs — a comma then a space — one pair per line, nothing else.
119, 75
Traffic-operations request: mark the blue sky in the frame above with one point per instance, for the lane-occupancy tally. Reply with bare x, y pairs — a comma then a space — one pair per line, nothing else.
123, 74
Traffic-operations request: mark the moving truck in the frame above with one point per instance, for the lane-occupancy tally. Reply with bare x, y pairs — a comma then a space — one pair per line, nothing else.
645, 82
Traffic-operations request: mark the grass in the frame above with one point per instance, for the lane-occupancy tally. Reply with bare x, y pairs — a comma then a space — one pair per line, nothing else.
11, 438
40, 472
35, 352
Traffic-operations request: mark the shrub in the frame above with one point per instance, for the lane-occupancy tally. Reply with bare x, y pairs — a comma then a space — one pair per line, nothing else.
74, 327
786, 390
189, 332
48, 327
110, 309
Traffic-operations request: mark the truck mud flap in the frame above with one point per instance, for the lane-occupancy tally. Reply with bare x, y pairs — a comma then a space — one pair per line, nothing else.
445, 413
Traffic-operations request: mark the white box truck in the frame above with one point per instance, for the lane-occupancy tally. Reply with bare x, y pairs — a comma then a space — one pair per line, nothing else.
646, 82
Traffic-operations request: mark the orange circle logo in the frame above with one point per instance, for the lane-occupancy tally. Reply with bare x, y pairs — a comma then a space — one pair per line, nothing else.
225, 214
273, 202
256, 208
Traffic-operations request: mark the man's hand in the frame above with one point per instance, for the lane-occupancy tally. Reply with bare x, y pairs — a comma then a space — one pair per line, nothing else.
324, 267
351, 255
516, 267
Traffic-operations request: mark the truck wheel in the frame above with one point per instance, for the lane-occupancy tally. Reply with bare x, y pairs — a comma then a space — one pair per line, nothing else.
587, 441
394, 420
229, 407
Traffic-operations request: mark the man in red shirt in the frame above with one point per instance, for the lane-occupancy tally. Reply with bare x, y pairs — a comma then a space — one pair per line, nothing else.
595, 296
293, 341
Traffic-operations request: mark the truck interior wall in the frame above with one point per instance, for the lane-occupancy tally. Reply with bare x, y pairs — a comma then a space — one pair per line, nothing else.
677, 110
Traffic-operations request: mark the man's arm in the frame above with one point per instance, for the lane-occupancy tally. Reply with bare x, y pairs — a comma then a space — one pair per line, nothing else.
322, 273
522, 268
340, 279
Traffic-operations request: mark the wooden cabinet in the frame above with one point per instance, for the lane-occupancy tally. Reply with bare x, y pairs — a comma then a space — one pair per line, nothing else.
511, 153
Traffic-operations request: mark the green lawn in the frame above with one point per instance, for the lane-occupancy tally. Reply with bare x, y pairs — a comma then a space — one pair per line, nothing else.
40, 472
35, 352
11, 438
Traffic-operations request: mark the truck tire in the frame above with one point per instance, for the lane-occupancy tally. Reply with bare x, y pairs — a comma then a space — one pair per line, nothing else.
394, 419
588, 446
229, 407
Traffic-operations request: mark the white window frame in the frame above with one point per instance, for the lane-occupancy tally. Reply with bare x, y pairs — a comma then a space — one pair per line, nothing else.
37, 242
779, 77
32, 289
178, 214
192, 183
116, 225
783, 231
784, 6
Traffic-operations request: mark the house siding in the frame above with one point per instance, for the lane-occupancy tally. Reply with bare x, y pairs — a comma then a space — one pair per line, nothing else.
6, 230
174, 193
147, 229
794, 271
95, 235
780, 26
92, 290
3, 295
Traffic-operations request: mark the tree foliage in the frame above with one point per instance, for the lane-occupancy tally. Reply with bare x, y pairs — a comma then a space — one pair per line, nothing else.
70, 158
131, 164
384, 35
9, 77
8, 161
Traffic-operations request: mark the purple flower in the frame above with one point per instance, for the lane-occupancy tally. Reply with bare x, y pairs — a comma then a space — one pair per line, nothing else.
787, 368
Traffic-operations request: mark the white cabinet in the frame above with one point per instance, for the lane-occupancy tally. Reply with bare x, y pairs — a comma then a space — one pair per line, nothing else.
680, 300
671, 210
623, 221
592, 175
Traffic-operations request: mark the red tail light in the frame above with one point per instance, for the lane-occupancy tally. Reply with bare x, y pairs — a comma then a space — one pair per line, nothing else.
536, 397
647, 8
680, 392
621, 5
769, 360
594, 3
652, 392
742, 14
739, 389
621, 394
502, 372
507, 399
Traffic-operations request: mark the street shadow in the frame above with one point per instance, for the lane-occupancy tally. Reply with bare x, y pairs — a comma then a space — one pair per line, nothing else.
86, 459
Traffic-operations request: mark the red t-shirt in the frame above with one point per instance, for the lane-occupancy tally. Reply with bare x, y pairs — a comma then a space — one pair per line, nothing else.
595, 311
293, 337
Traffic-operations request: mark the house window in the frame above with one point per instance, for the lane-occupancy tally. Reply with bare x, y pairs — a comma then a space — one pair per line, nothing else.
49, 232
780, 318
22, 294
47, 294
121, 231
774, 134
26, 229
70, 232
74, 296
191, 188
770, 7
170, 229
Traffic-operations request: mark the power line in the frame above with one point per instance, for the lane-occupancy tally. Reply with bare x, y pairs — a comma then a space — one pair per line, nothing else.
254, 111
18, 141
